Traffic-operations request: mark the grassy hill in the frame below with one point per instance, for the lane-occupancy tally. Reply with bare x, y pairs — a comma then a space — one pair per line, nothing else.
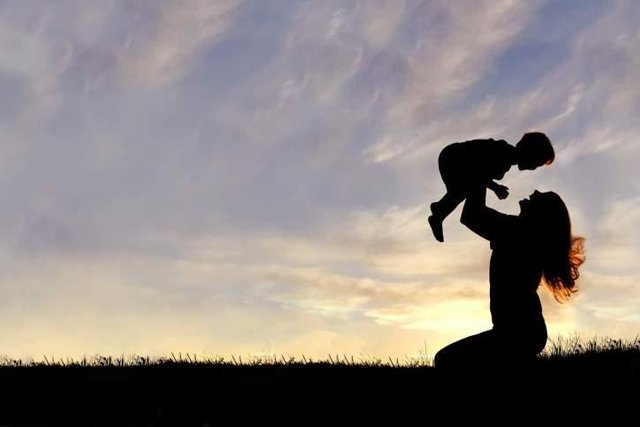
183, 391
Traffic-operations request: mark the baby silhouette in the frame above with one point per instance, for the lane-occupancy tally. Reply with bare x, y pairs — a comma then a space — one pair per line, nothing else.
467, 166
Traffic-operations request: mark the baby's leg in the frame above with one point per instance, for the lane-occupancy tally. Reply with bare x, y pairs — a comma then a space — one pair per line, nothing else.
436, 228
449, 202
455, 182
441, 209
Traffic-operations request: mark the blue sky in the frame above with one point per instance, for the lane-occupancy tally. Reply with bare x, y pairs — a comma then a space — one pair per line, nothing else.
246, 177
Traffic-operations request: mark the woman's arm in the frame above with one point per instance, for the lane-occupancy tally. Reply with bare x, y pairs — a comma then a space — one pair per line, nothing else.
482, 220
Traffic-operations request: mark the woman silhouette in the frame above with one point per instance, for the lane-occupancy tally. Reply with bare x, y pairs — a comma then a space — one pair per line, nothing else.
533, 247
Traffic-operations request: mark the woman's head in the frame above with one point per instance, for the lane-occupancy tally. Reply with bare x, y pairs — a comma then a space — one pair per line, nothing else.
547, 218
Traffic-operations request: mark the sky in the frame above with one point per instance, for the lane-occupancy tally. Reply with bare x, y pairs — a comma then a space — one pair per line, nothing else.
253, 177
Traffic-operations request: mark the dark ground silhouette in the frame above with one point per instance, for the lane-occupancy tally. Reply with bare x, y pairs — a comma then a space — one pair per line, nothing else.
187, 394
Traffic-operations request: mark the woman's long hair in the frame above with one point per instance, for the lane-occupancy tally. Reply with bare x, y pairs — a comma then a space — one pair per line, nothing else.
561, 253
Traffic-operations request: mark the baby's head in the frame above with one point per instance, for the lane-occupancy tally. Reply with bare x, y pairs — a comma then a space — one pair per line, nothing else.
534, 150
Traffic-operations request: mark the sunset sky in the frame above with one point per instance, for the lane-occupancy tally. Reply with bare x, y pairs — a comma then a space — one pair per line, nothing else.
252, 177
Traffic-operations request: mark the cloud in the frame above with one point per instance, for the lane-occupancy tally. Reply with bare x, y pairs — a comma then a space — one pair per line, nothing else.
31, 69
563, 101
251, 280
140, 304
72, 49
173, 36
369, 267
333, 69
617, 237
451, 48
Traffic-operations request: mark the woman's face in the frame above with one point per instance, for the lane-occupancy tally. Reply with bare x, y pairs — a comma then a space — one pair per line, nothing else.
527, 205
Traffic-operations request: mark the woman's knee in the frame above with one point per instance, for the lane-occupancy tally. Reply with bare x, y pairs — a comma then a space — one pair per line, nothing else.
440, 359
447, 358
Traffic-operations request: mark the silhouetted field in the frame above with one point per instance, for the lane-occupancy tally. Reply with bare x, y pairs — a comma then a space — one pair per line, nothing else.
176, 391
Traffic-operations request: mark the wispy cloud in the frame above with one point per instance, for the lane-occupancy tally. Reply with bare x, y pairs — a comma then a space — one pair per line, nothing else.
31, 69
330, 283
73, 46
452, 47
172, 37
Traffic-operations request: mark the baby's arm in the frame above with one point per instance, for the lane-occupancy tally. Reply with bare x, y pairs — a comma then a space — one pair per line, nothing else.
501, 191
